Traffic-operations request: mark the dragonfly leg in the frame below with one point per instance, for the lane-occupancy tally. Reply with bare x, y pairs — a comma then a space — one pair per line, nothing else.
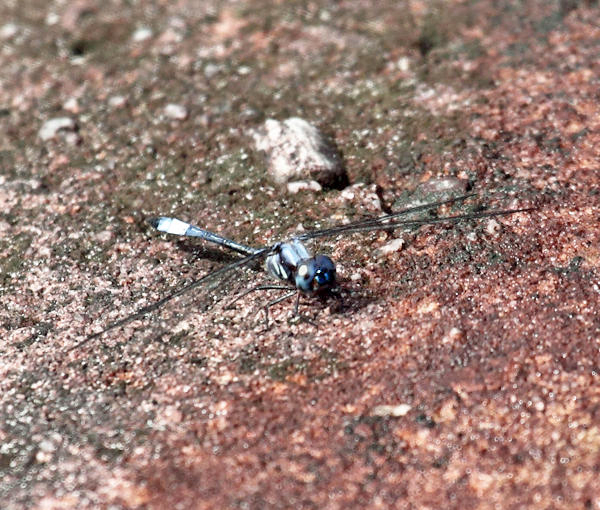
297, 305
297, 315
275, 301
258, 287
308, 320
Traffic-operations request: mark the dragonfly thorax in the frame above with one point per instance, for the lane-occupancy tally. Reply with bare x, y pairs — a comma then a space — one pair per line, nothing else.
292, 262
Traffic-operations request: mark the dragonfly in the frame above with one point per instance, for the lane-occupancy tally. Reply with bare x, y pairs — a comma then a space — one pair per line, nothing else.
290, 261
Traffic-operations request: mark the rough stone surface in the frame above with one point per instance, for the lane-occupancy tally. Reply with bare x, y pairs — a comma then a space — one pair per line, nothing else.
460, 372
296, 150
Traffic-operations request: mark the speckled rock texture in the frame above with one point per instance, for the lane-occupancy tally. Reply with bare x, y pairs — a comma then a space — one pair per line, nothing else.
456, 368
295, 149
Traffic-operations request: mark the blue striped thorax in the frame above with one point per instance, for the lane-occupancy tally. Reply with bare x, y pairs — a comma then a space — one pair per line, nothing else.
293, 263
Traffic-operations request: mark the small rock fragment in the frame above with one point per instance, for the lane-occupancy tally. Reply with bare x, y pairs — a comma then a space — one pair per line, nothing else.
395, 411
141, 34
403, 64
391, 247
297, 186
51, 127
104, 236
366, 197
71, 105
47, 446
492, 227
72, 138
176, 111
117, 101
356, 276
296, 150
447, 411
8, 30
210, 70
452, 336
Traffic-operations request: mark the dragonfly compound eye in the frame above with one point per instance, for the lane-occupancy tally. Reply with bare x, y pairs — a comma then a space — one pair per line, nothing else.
324, 274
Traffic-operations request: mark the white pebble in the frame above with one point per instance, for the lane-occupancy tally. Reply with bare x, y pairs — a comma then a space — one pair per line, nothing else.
403, 64
210, 70
395, 411
141, 34
71, 105
176, 111
51, 127
9, 30
297, 186
117, 101
296, 150
492, 227
391, 247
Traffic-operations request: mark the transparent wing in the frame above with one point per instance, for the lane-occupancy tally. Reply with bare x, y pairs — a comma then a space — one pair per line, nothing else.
387, 222
186, 288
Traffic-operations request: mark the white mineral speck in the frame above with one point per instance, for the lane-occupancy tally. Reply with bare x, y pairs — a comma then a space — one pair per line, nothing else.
141, 34
492, 227
391, 247
71, 105
403, 64
117, 101
297, 186
211, 70
395, 410
47, 446
176, 111
51, 127
8, 30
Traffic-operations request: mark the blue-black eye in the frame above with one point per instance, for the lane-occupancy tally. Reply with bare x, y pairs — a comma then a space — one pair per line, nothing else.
322, 278
325, 274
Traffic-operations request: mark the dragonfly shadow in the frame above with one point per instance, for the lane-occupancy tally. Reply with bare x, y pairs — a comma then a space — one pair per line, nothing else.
223, 258
200, 252
345, 300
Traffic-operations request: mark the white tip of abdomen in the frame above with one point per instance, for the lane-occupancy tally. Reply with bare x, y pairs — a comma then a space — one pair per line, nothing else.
172, 226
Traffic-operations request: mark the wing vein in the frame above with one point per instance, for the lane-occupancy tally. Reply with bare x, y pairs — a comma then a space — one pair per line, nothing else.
186, 288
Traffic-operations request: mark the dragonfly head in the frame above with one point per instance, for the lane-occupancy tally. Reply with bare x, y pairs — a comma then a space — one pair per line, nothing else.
315, 274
